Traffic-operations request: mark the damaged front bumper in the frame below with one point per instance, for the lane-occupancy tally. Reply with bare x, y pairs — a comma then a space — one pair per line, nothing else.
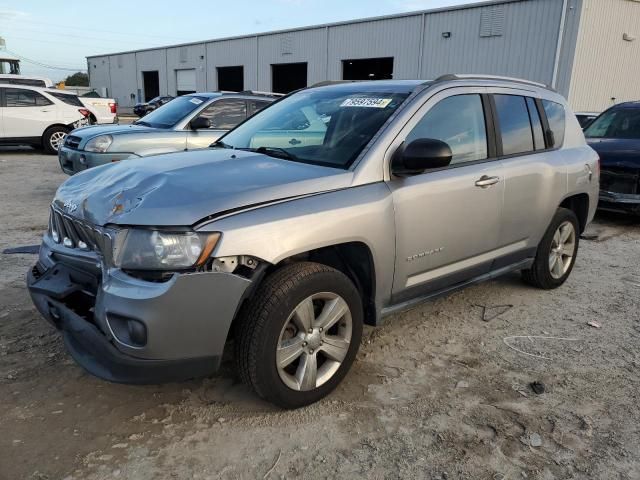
124, 329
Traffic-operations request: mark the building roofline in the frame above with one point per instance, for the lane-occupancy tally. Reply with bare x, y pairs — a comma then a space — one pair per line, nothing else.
466, 6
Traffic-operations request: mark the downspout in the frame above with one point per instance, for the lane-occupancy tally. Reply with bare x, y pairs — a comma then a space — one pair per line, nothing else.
556, 63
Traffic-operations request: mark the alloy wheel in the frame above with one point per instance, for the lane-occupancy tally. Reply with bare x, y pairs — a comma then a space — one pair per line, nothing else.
563, 247
314, 341
56, 139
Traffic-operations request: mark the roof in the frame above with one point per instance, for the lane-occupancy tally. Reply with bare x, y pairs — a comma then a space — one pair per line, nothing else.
395, 86
6, 56
231, 94
323, 25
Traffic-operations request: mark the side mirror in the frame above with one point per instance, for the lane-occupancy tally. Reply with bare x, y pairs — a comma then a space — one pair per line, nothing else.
420, 155
200, 123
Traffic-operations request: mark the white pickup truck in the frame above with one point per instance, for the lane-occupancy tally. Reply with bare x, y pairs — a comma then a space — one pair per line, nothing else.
102, 110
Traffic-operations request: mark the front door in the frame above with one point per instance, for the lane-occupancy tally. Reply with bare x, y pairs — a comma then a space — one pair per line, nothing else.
448, 220
224, 114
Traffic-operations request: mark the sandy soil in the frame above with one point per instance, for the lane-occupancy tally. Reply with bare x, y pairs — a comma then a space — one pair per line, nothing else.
440, 392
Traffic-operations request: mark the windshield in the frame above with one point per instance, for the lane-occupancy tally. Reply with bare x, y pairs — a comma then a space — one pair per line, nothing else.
172, 112
619, 123
324, 127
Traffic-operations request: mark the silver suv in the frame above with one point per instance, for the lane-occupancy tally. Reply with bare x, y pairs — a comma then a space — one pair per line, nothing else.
333, 207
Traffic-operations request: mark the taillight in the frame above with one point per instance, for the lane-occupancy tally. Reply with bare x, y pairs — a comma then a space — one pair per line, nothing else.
85, 113
113, 107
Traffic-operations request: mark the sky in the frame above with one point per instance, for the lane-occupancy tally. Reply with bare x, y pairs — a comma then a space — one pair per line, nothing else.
48, 33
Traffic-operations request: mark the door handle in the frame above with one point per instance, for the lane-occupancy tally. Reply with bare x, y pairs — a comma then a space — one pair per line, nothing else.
486, 181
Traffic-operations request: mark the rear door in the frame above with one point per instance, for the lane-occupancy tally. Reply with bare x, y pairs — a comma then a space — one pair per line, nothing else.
224, 114
448, 220
27, 113
534, 171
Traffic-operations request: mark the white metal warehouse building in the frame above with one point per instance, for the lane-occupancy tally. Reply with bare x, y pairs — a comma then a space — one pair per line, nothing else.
589, 50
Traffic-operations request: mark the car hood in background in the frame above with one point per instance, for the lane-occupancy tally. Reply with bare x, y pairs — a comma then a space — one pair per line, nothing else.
95, 130
180, 189
614, 152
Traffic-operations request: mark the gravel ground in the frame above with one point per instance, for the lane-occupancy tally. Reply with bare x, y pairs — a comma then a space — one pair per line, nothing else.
440, 392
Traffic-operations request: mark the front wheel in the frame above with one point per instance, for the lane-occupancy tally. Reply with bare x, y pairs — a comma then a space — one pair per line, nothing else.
53, 138
299, 334
557, 251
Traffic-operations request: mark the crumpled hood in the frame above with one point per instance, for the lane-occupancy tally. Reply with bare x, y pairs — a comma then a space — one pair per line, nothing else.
94, 130
180, 189
617, 152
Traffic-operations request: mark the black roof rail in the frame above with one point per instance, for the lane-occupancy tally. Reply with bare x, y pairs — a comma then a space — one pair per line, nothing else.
455, 76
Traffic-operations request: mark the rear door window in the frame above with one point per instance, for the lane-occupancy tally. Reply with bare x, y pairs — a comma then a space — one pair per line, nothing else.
536, 124
225, 114
15, 97
515, 127
556, 118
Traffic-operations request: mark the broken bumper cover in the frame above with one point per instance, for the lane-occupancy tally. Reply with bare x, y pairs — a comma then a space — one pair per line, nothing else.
619, 202
74, 161
133, 331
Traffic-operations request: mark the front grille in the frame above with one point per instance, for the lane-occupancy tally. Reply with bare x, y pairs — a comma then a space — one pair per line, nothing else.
620, 180
72, 233
72, 141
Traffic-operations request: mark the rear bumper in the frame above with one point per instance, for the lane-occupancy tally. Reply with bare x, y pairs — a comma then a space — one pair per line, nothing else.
184, 321
74, 161
619, 202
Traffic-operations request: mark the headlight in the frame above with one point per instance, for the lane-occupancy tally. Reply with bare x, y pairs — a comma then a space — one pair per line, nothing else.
138, 249
99, 144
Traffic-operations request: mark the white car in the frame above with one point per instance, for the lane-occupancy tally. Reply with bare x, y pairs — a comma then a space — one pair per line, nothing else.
40, 117
103, 110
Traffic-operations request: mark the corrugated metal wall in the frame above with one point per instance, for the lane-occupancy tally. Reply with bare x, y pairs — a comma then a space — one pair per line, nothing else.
606, 66
518, 38
525, 49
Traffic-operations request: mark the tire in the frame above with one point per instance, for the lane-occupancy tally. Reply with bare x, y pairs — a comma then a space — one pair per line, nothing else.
49, 138
546, 273
271, 319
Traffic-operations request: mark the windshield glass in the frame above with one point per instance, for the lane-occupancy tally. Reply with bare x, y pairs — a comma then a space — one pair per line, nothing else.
324, 127
172, 112
619, 123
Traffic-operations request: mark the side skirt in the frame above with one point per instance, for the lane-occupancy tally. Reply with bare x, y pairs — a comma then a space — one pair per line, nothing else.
409, 304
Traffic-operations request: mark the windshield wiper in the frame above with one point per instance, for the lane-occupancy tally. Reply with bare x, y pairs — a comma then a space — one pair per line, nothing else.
220, 144
276, 152
143, 123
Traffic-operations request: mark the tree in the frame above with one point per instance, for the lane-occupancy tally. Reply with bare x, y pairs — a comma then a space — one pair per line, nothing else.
79, 79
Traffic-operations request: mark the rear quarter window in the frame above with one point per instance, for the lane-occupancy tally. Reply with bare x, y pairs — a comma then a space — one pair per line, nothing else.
556, 118
66, 98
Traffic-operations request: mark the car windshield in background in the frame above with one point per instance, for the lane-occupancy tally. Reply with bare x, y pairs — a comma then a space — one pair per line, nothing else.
618, 123
172, 112
323, 127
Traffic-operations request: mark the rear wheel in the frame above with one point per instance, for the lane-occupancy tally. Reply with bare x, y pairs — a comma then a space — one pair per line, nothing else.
53, 138
299, 335
556, 253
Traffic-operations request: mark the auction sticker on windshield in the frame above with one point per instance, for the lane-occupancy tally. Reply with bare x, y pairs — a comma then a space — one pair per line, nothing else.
366, 102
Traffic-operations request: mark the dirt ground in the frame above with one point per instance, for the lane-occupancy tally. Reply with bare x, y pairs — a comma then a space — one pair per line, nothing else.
440, 392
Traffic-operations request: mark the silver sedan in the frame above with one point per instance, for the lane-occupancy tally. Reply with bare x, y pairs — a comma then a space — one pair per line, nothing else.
185, 123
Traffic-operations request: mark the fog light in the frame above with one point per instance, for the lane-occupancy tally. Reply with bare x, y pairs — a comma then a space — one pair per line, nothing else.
67, 242
83, 160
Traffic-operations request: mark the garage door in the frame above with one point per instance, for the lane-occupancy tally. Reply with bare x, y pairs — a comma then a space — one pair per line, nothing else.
186, 81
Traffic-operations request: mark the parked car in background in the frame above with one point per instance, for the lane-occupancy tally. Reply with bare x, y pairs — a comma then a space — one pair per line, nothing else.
334, 207
585, 118
141, 109
615, 135
102, 110
39, 117
185, 123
